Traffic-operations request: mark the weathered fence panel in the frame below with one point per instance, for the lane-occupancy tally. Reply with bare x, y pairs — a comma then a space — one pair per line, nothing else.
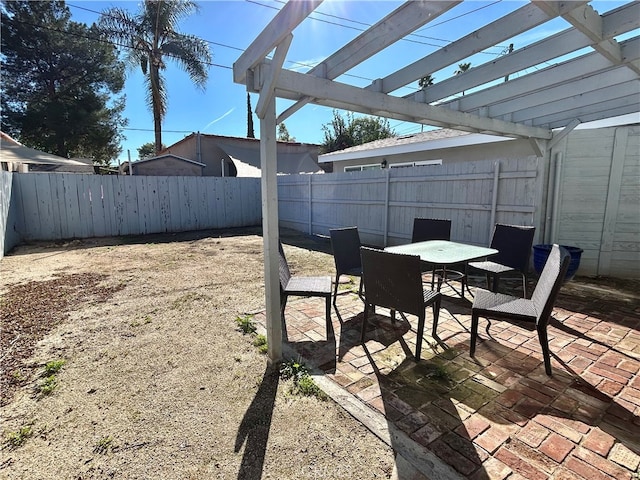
62, 206
383, 203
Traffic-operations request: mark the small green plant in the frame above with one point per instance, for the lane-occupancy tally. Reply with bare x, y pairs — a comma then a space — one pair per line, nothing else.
261, 342
307, 387
48, 385
103, 445
53, 367
18, 438
303, 384
50, 382
293, 369
441, 373
246, 324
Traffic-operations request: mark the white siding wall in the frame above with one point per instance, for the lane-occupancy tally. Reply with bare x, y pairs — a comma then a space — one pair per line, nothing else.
599, 204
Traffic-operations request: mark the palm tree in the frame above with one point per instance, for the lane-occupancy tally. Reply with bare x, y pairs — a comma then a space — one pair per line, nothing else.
426, 81
462, 67
150, 36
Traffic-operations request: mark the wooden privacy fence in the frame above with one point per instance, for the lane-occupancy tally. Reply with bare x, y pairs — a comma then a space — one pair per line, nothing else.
383, 203
58, 206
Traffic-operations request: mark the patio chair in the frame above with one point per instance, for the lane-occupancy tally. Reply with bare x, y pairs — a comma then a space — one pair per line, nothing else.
538, 309
437, 229
303, 286
514, 243
345, 243
394, 281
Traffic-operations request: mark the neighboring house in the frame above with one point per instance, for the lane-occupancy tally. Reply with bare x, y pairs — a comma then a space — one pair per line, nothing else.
15, 157
434, 147
168, 164
234, 156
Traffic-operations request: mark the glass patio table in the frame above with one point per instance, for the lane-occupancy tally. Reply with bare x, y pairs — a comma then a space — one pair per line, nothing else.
444, 253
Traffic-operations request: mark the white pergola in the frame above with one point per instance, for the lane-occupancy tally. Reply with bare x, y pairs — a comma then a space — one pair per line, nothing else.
578, 87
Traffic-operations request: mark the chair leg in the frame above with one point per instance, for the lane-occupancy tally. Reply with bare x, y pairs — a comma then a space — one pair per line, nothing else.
494, 283
360, 289
524, 285
436, 315
328, 315
474, 333
420, 335
546, 354
364, 322
283, 305
335, 289
393, 316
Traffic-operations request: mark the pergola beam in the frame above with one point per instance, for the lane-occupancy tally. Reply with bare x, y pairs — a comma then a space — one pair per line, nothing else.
327, 92
287, 19
399, 23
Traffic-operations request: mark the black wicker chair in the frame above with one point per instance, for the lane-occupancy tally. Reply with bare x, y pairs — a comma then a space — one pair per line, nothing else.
345, 243
302, 286
394, 281
514, 243
438, 229
538, 309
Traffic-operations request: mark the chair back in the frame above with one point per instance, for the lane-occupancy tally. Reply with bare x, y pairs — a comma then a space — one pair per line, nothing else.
514, 244
548, 286
392, 280
430, 229
283, 267
345, 243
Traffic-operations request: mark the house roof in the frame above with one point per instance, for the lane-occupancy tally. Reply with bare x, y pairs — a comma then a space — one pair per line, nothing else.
439, 139
589, 70
417, 142
13, 151
167, 155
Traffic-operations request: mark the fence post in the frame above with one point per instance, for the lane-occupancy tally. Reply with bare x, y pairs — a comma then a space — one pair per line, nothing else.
494, 198
386, 208
310, 206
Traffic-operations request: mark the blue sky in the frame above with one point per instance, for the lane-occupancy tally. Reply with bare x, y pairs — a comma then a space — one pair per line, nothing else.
231, 26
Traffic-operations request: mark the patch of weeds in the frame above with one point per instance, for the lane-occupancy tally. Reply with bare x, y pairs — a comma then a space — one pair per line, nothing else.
48, 385
50, 382
18, 438
293, 369
261, 342
103, 445
53, 367
246, 324
303, 384
440, 373
307, 387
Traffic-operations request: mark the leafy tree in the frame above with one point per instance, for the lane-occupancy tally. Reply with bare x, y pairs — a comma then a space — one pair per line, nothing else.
59, 83
250, 133
343, 133
283, 134
150, 37
147, 150
424, 82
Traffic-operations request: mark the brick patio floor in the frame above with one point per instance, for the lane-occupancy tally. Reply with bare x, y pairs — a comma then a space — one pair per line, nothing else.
498, 415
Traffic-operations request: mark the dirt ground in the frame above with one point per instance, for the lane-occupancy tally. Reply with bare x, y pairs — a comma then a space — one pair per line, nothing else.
157, 380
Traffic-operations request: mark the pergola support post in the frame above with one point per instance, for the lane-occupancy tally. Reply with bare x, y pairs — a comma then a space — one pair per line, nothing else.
270, 235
